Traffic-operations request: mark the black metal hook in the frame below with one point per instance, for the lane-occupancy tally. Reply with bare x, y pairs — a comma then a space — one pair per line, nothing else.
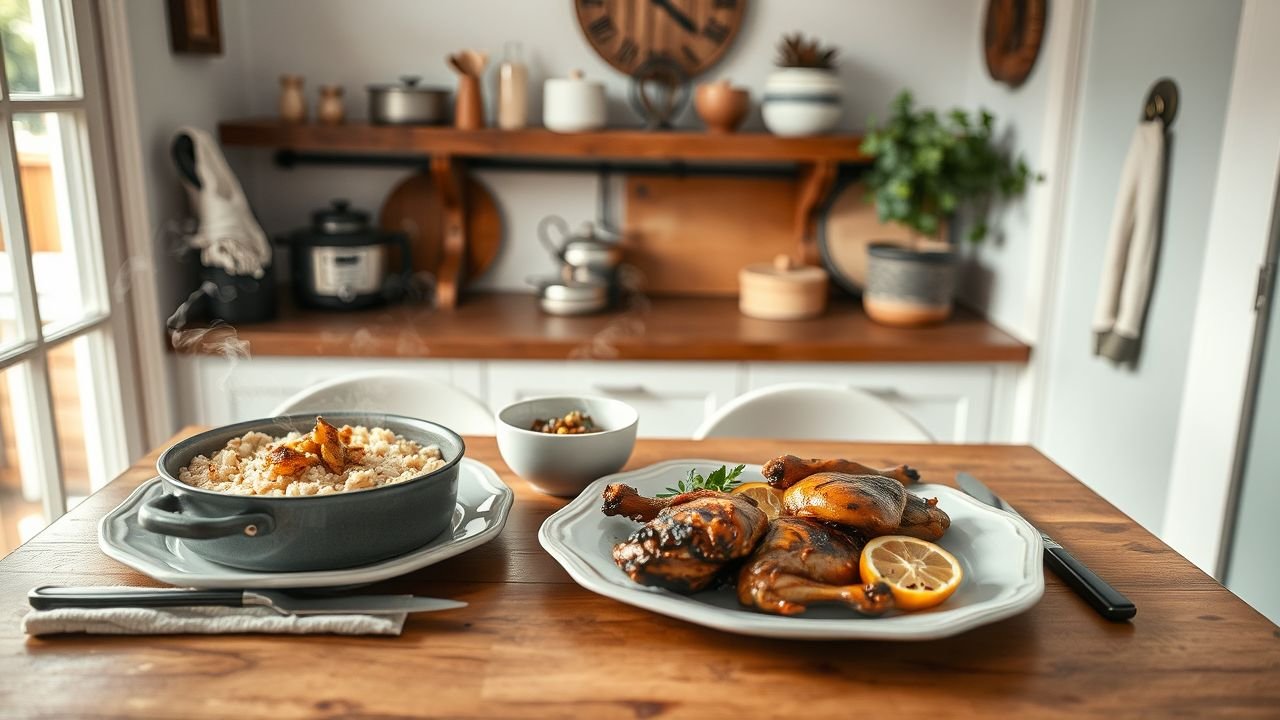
1161, 102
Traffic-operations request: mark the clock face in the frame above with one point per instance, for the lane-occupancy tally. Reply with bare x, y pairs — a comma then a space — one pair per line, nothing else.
692, 33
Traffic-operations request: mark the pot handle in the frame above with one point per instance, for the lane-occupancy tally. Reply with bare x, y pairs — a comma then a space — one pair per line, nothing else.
545, 237
164, 515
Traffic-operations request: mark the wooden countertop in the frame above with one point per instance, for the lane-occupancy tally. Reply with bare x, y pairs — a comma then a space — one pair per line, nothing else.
511, 326
534, 644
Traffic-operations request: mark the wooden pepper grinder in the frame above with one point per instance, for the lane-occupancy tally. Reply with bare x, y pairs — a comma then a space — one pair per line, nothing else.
293, 102
330, 109
468, 105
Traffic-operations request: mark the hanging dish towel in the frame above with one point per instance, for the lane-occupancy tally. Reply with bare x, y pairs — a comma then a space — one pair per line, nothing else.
1130, 259
229, 236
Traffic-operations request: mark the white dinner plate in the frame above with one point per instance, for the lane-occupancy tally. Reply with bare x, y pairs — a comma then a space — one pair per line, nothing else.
1001, 555
481, 511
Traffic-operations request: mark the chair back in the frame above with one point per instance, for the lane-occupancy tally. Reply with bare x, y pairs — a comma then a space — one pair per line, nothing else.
813, 411
398, 393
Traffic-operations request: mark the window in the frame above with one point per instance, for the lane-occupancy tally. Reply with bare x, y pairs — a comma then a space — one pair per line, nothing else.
62, 426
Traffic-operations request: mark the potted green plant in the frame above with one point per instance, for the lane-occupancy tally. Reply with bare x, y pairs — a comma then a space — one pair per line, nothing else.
928, 167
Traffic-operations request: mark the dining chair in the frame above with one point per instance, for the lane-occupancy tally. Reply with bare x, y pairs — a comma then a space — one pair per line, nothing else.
812, 411
397, 393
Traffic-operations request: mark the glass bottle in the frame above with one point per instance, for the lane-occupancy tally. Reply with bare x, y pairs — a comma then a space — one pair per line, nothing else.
513, 89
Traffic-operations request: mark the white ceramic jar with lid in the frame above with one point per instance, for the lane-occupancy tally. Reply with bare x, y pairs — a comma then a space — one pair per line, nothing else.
573, 104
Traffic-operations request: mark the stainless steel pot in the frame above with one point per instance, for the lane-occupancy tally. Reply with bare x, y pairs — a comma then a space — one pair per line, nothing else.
407, 103
317, 532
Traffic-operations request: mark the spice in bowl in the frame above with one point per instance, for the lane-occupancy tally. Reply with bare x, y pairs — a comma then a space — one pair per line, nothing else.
575, 422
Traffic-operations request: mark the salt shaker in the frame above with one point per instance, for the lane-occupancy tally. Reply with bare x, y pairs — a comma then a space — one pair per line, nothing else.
293, 103
330, 109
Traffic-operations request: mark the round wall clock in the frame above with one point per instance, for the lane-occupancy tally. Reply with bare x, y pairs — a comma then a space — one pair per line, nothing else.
1012, 37
692, 33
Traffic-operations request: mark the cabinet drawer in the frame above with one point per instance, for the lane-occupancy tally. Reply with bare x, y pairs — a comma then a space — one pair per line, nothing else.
672, 398
953, 402
218, 392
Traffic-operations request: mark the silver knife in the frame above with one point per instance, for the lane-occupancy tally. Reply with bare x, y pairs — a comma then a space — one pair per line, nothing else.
49, 598
1105, 599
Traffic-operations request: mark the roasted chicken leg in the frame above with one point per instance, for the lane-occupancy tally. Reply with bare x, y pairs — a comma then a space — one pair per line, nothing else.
801, 562
787, 470
687, 539
874, 505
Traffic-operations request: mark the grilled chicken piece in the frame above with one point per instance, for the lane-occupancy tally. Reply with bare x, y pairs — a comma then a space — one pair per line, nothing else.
787, 470
874, 505
333, 453
801, 562
687, 539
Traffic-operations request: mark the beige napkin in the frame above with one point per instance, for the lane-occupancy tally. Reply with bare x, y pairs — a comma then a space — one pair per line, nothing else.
203, 621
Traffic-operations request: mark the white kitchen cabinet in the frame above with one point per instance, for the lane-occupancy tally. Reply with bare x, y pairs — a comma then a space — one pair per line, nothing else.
219, 390
672, 398
953, 401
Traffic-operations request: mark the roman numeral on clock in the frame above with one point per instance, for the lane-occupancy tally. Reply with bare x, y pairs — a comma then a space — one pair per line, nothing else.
725, 4
602, 29
690, 55
591, 3
627, 51
717, 31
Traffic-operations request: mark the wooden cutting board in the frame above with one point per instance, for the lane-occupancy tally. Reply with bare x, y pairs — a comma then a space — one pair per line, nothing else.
414, 208
848, 226
691, 236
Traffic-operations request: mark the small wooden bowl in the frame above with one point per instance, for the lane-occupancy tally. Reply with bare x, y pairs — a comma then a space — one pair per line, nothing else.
781, 290
721, 106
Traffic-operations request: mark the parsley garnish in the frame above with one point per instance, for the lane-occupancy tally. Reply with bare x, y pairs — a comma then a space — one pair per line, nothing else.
722, 480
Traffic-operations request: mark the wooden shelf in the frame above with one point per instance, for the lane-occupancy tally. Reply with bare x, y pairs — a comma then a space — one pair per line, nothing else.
448, 149
510, 326
672, 146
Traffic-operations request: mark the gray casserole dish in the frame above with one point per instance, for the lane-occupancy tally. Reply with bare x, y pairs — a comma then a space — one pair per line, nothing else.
318, 532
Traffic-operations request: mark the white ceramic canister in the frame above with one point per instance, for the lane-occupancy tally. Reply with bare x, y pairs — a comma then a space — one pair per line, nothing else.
801, 101
573, 104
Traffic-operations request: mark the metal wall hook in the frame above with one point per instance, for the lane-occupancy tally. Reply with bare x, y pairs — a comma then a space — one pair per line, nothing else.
1161, 102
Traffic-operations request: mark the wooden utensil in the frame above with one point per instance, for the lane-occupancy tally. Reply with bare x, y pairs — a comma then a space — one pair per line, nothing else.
414, 208
468, 105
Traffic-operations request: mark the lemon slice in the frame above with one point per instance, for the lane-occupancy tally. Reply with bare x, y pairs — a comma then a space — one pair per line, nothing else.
766, 496
919, 573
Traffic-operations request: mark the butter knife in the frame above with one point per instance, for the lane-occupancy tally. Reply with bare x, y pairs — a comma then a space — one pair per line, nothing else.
1108, 601
49, 598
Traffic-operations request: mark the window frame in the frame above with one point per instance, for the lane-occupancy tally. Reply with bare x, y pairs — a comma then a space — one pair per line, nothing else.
108, 322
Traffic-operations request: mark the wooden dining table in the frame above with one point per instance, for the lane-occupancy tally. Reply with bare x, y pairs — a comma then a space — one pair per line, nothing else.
532, 643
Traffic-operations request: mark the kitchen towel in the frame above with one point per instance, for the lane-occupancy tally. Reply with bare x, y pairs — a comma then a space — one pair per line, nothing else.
1130, 259
203, 621
228, 235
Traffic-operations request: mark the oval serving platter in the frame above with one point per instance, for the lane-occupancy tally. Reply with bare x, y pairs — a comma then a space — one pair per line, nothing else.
1001, 555
478, 517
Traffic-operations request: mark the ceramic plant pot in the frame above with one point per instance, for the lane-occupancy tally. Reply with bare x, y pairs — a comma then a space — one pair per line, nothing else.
910, 286
721, 106
801, 101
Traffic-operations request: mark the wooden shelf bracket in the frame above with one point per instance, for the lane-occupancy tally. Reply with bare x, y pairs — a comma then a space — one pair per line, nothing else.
449, 183
816, 181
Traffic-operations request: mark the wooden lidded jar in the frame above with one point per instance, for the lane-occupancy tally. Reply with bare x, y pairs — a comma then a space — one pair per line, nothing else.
782, 290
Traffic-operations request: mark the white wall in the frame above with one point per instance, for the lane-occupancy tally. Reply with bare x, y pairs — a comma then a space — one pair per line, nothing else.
1115, 428
929, 46
171, 91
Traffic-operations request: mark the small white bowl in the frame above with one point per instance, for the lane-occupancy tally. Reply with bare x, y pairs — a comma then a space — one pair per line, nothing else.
563, 465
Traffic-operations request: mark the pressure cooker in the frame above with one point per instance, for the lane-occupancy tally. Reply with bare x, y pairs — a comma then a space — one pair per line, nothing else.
341, 262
